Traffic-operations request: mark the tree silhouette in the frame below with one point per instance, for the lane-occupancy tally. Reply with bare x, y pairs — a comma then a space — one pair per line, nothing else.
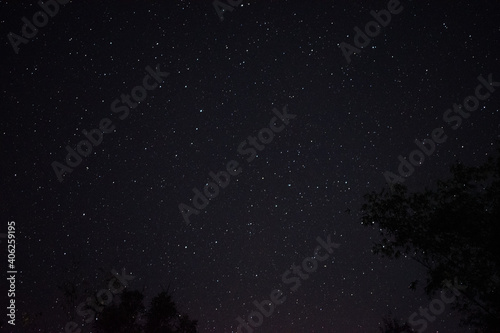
392, 325
453, 230
73, 287
164, 317
129, 315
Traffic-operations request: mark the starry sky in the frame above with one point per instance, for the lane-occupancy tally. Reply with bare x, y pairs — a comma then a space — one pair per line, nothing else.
226, 80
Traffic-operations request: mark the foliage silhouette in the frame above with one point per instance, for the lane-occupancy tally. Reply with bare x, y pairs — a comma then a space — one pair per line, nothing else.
453, 231
129, 315
392, 325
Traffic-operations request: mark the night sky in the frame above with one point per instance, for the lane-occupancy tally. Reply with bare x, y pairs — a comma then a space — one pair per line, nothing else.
214, 86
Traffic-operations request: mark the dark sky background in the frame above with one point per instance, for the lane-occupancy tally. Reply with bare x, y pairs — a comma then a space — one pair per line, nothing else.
119, 207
